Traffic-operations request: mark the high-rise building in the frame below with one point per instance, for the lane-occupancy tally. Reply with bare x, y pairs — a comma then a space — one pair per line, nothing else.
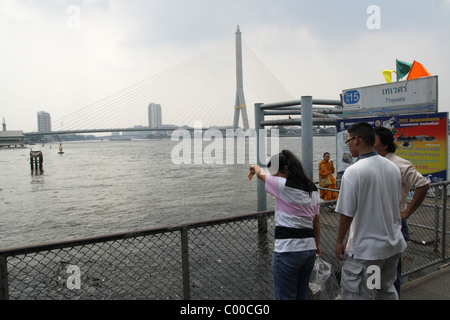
154, 115
44, 121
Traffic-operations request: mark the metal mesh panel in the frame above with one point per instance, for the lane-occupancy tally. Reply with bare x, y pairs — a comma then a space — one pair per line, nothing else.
329, 224
135, 268
426, 230
232, 261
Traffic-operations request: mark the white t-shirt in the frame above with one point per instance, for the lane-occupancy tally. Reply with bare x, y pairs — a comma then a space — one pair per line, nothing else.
370, 193
295, 209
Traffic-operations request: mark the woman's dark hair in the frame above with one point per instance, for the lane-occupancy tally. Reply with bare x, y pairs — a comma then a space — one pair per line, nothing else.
386, 138
297, 177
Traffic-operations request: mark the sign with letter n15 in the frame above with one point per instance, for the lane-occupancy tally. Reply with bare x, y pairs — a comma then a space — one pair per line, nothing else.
403, 97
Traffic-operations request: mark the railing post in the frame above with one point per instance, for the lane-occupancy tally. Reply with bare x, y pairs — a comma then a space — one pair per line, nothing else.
307, 136
185, 264
436, 218
444, 223
261, 189
4, 291
260, 153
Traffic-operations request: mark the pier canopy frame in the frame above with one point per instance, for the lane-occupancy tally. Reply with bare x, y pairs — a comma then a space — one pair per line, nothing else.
309, 117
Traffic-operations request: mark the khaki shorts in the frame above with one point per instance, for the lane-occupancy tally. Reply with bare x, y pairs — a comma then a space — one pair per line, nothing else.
369, 279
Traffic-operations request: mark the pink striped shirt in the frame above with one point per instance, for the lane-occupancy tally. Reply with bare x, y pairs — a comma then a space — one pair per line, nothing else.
294, 208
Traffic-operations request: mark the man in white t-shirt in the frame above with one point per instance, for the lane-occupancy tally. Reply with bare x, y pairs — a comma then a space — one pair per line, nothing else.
369, 206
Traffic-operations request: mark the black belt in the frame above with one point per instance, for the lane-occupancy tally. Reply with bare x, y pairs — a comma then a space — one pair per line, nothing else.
293, 233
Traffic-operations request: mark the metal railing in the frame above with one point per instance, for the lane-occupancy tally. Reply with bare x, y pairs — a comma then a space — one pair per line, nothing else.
218, 259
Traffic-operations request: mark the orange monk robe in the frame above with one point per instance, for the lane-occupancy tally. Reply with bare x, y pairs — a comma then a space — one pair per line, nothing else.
326, 168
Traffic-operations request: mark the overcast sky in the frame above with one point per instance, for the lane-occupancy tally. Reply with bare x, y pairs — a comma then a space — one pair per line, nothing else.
60, 56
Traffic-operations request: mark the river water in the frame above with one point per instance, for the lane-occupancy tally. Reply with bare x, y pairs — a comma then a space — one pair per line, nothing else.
100, 187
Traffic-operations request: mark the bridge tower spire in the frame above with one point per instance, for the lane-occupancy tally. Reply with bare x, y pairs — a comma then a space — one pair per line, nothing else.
239, 108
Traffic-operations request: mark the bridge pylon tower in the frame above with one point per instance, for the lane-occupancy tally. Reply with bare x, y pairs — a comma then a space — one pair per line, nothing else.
240, 107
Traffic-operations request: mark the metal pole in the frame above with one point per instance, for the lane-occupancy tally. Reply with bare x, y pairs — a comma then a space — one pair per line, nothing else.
261, 188
4, 292
436, 218
324, 102
185, 264
444, 223
307, 135
260, 153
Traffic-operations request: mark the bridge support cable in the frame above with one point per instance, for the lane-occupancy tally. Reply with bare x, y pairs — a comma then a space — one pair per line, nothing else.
197, 89
131, 103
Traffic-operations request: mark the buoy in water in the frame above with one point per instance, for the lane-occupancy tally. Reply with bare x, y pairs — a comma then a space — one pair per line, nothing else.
60, 149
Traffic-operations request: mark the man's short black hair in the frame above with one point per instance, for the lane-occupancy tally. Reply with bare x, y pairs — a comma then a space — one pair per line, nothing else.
364, 131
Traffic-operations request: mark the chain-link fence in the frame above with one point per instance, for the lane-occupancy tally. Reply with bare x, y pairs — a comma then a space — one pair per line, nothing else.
220, 259
429, 229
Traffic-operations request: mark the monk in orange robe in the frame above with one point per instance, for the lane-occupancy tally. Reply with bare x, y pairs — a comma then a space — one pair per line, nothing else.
326, 168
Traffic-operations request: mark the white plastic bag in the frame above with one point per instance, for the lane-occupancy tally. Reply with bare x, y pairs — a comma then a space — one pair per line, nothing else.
319, 275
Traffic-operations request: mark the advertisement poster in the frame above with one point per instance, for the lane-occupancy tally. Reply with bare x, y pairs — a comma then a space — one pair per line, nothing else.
420, 138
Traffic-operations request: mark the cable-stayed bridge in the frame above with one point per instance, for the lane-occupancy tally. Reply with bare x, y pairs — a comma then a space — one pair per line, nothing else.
202, 88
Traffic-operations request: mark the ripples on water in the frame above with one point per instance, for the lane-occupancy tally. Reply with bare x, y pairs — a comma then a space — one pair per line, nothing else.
100, 187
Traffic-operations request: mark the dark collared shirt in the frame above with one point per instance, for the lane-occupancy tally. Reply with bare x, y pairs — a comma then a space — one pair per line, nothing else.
367, 155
